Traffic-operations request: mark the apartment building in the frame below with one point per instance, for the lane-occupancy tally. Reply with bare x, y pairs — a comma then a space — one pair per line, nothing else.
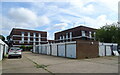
19, 37
80, 32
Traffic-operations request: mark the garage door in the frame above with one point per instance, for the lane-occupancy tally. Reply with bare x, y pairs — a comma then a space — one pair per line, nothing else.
108, 51
44, 50
54, 49
61, 50
71, 50
48, 49
101, 50
40, 50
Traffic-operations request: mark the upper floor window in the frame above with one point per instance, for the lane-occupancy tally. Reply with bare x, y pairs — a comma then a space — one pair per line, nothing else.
83, 33
60, 37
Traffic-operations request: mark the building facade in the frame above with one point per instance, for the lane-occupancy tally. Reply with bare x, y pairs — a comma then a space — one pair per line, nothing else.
19, 37
80, 32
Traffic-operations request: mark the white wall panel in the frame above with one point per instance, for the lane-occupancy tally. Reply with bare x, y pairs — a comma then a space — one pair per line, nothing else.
71, 50
61, 50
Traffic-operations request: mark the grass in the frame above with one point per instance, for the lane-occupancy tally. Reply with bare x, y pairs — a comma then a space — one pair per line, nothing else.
118, 62
6, 56
40, 66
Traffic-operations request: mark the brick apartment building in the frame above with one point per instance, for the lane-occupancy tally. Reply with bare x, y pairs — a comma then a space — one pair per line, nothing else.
19, 37
80, 32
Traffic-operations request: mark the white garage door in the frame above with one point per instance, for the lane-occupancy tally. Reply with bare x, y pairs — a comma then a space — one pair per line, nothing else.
48, 49
40, 50
61, 50
101, 50
71, 50
54, 49
1, 52
108, 51
44, 50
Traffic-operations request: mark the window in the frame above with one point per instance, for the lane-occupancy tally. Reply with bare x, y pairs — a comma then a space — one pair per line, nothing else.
83, 33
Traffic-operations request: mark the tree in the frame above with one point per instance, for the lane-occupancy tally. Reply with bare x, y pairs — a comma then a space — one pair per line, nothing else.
8, 38
108, 34
2, 37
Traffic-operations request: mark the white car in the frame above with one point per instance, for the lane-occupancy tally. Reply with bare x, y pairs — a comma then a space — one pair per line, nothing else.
15, 51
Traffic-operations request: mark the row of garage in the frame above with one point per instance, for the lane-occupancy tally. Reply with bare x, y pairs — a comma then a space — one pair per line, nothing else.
3, 49
78, 49
67, 49
108, 49
74, 49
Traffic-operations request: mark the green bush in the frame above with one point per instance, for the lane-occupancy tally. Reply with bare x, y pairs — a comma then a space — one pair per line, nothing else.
26, 48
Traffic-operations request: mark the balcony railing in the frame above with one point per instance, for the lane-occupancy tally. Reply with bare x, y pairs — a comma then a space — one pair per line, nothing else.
28, 36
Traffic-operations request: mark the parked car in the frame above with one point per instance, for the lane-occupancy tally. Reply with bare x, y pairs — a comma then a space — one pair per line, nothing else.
15, 52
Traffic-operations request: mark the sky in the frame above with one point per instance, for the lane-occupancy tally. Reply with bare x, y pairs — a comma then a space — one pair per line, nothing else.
53, 16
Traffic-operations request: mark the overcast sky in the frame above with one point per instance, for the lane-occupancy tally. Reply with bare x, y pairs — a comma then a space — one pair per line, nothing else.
54, 16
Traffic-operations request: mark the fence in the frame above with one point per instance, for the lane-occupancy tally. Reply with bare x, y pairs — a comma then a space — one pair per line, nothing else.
67, 49
108, 49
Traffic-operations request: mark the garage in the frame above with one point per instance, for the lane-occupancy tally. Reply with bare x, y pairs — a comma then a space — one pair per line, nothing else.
44, 49
61, 50
54, 49
71, 50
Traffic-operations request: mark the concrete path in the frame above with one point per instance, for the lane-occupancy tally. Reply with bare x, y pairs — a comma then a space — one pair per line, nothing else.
37, 63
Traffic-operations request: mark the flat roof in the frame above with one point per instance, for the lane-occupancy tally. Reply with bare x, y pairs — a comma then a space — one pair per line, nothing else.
76, 28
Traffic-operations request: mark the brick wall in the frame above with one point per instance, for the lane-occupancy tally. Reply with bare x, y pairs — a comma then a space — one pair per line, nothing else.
85, 49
